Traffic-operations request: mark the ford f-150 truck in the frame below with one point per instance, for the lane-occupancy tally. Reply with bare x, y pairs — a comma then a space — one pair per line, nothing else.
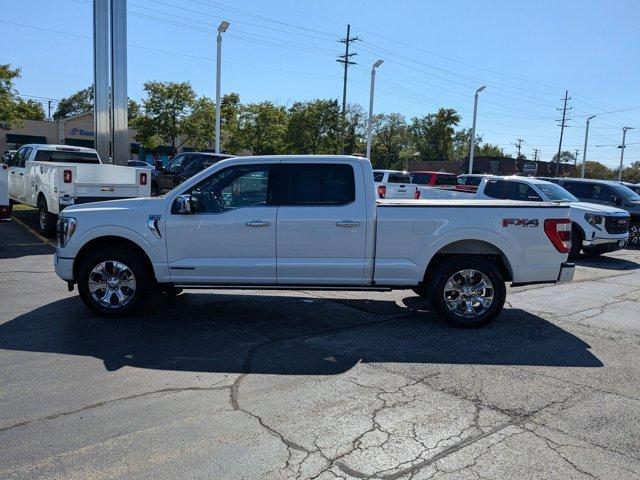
52, 177
596, 229
309, 222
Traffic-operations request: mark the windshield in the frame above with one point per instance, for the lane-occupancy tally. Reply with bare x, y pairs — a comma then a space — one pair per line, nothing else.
628, 194
556, 193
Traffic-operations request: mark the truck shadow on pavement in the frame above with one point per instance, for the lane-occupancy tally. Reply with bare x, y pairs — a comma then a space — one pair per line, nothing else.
606, 262
289, 333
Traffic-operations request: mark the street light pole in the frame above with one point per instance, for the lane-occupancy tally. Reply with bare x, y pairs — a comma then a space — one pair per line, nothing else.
369, 122
584, 150
624, 134
221, 29
473, 128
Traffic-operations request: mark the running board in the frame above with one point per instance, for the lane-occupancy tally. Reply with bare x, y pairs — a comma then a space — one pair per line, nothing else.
281, 287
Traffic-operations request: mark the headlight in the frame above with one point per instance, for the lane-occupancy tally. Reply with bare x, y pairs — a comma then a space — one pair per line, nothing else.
66, 227
594, 220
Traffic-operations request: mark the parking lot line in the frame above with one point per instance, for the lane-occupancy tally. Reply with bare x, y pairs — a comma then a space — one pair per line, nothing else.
33, 232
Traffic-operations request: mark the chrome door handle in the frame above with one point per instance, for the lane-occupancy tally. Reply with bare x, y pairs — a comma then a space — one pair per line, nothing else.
258, 223
348, 223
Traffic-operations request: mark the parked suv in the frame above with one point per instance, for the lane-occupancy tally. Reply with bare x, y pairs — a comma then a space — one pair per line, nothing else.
180, 168
609, 193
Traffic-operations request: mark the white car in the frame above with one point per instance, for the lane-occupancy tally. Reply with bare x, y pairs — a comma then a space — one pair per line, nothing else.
52, 177
309, 222
596, 228
5, 208
394, 184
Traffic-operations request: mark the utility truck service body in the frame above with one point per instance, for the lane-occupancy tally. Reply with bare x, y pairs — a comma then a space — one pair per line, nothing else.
52, 177
309, 222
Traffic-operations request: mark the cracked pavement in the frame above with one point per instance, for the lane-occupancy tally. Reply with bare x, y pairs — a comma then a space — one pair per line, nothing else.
322, 385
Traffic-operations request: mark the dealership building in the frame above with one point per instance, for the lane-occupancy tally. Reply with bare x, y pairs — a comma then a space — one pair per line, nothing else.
77, 130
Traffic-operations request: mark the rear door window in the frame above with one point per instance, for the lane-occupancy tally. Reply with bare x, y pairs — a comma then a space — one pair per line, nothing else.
495, 189
579, 189
320, 184
523, 192
378, 176
420, 178
399, 178
446, 180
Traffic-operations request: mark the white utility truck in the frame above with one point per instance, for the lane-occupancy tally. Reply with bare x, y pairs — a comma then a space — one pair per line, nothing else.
392, 184
5, 208
52, 177
309, 222
596, 229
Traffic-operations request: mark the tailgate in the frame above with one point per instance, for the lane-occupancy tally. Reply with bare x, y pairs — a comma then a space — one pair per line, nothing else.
112, 181
401, 190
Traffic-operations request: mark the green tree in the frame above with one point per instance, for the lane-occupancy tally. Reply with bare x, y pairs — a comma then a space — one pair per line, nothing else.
565, 157
13, 109
488, 150
261, 128
315, 127
391, 137
199, 125
597, 170
79, 102
166, 115
631, 173
432, 134
354, 126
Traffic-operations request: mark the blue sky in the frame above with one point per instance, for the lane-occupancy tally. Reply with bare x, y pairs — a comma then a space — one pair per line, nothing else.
436, 54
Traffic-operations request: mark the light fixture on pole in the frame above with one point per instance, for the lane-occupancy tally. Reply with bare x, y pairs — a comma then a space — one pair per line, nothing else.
373, 84
221, 29
473, 128
584, 150
624, 135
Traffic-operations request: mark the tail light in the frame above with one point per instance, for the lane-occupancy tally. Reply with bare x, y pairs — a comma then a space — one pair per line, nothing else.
67, 176
143, 178
382, 191
559, 232
416, 195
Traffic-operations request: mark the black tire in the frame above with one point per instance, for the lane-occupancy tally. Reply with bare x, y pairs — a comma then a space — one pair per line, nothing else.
576, 242
114, 255
482, 315
46, 220
634, 235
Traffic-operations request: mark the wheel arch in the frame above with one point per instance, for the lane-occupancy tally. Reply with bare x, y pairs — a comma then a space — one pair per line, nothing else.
111, 241
470, 247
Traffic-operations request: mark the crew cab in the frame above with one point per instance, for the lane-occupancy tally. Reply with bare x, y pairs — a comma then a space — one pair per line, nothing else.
181, 167
52, 177
394, 184
309, 222
5, 208
609, 193
596, 229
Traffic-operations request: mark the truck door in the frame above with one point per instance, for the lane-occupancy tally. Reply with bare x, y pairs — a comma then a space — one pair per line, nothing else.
322, 224
230, 238
17, 182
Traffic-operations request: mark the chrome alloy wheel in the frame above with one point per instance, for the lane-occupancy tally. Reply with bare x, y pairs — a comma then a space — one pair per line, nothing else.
634, 235
42, 217
468, 293
112, 284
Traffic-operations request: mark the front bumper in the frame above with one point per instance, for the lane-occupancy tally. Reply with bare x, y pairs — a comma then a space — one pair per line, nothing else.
567, 270
63, 267
611, 244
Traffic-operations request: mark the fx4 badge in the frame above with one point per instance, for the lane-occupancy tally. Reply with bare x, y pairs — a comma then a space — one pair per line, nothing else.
520, 222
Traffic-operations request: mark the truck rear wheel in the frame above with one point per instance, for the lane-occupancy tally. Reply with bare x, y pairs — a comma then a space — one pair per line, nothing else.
46, 221
634, 235
468, 291
113, 282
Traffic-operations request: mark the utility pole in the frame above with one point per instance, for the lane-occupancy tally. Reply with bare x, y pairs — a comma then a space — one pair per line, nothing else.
371, 92
519, 146
584, 150
221, 29
472, 148
562, 125
49, 110
345, 59
535, 154
624, 136
575, 158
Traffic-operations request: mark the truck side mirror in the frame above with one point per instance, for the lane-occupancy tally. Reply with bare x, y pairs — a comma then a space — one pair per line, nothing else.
183, 205
616, 200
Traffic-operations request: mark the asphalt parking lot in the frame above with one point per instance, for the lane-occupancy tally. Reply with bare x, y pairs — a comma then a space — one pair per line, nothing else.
301, 384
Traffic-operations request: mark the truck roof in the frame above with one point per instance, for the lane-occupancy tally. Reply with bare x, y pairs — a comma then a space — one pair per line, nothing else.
54, 147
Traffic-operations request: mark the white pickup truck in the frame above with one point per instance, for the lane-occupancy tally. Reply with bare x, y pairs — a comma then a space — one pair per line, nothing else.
309, 222
52, 177
393, 184
596, 229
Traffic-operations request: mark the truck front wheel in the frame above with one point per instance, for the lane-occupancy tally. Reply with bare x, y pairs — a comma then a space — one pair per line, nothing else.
113, 282
46, 221
468, 291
